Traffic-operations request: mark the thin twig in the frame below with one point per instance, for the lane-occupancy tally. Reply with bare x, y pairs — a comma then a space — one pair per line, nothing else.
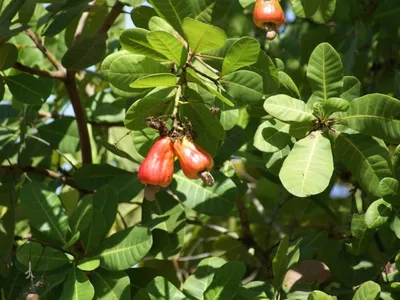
44, 172
214, 227
111, 17
50, 74
42, 48
86, 150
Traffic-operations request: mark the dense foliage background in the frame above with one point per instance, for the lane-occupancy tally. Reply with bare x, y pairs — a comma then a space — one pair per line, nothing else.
303, 129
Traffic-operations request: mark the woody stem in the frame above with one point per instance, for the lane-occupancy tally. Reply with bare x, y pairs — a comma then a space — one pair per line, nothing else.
176, 106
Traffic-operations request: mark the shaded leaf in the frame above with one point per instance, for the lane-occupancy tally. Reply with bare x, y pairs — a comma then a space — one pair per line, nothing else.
378, 213
161, 288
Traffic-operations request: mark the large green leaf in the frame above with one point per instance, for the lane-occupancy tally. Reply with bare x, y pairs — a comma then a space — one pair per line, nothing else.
374, 114
202, 37
351, 88
309, 166
154, 80
325, 73
378, 213
104, 211
85, 53
226, 281
286, 108
159, 24
361, 234
217, 200
125, 69
267, 70
82, 214
272, 136
161, 288
318, 11
198, 282
41, 258
135, 41
125, 248
8, 56
246, 87
111, 285
45, 211
62, 134
280, 262
141, 16
77, 286
318, 295
106, 64
28, 89
287, 85
174, 11
367, 158
212, 11
368, 291
168, 45
136, 115
92, 177
244, 52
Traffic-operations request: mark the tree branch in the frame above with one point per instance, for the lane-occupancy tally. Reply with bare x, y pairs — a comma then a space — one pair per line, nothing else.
70, 85
82, 22
50, 74
42, 48
111, 17
44, 172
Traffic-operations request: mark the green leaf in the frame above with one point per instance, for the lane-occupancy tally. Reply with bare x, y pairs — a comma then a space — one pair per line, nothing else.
159, 24
267, 70
141, 16
368, 291
161, 288
88, 264
309, 166
325, 73
136, 115
300, 130
244, 52
85, 53
204, 121
62, 134
280, 262
198, 282
362, 235
135, 41
202, 37
125, 248
274, 161
12, 8
351, 88
113, 149
333, 105
59, 20
378, 213
272, 136
388, 187
92, 177
192, 77
217, 200
212, 11
8, 56
125, 69
104, 211
82, 214
7, 224
154, 80
244, 86
111, 285
246, 294
367, 158
28, 89
174, 11
286, 108
44, 211
41, 258
287, 85
106, 64
226, 281
374, 114
77, 286
318, 295
168, 45
319, 11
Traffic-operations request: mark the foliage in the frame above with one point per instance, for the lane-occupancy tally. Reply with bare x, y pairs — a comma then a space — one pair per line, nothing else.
304, 132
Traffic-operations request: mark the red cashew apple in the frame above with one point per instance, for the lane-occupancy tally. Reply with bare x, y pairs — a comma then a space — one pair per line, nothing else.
158, 166
268, 15
193, 159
